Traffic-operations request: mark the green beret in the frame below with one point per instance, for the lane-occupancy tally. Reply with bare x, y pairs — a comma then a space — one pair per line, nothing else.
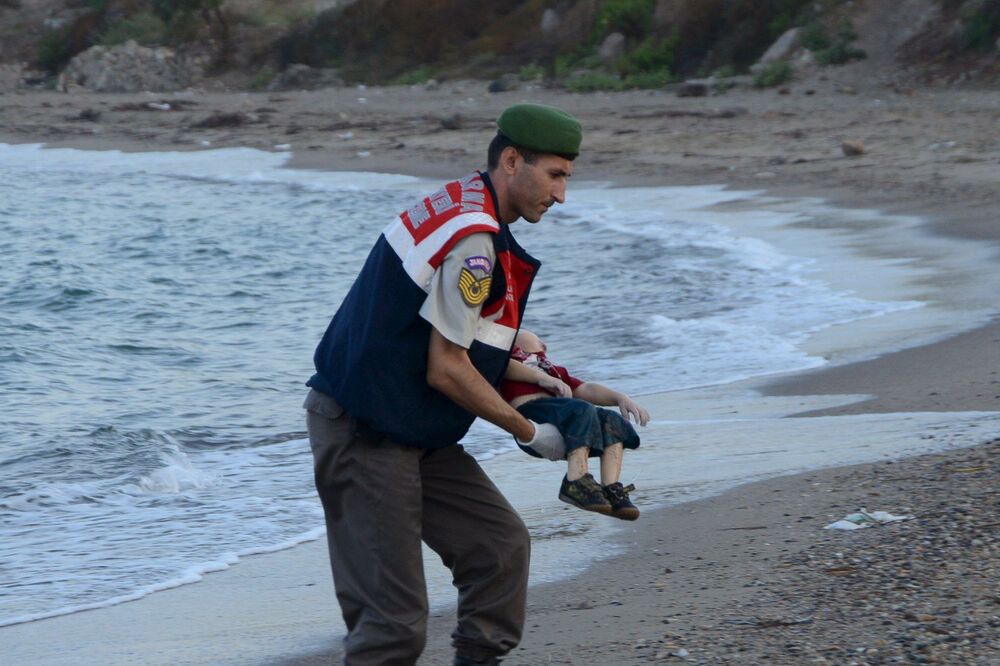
544, 129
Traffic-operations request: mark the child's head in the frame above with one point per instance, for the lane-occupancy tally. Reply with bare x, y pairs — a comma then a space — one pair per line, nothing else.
528, 342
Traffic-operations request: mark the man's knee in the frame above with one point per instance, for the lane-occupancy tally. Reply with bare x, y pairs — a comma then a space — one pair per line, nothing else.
518, 546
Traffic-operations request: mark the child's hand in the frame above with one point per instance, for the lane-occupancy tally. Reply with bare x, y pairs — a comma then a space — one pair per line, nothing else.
556, 385
630, 409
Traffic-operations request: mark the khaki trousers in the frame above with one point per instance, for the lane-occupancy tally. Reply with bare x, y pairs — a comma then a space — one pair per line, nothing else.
381, 499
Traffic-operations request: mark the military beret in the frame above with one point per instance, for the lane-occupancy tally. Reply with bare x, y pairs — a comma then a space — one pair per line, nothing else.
541, 128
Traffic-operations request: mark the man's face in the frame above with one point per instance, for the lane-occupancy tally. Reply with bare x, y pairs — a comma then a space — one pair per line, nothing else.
536, 187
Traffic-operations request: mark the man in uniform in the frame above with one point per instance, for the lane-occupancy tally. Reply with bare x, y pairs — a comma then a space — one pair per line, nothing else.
412, 356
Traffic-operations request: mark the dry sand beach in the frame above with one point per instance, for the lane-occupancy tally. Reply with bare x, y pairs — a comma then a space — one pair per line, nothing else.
745, 577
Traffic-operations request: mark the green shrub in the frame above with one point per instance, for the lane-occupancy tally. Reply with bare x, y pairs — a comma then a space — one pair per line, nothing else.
167, 9
632, 18
145, 28
421, 74
532, 72
981, 26
839, 53
724, 72
773, 74
54, 49
647, 80
815, 37
651, 55
184, 27
831, 50
260, 80
722, 76
593, 82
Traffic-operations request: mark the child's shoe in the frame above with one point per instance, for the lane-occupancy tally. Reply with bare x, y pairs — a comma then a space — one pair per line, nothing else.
586, 494
621, 505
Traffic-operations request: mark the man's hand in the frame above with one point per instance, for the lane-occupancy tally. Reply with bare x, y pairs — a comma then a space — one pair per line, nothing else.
547, 441
556, 385
631, 410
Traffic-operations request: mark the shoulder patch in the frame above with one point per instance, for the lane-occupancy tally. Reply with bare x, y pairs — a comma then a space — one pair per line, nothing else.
479, 263
474, 292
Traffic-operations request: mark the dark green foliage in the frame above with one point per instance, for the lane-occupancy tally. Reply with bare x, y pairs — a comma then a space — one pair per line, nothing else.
713, 33
168, 9
831, 50
145, 28
839, 53
814, 37
773, 74
632, 18
648, 80
366, 42
594, 81
653, 54
54, 50
981, 25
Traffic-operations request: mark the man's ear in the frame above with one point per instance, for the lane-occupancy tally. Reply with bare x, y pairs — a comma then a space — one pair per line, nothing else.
508, 159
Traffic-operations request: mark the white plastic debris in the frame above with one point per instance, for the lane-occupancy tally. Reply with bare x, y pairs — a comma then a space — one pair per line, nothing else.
865, 518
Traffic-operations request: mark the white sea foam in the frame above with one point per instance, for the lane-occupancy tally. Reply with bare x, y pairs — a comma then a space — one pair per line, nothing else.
191, 574
177, 475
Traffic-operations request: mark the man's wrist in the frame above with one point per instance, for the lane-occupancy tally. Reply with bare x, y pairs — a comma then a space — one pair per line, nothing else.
527, 431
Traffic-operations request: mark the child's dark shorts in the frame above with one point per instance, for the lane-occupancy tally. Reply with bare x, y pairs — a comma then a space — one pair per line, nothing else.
581, 424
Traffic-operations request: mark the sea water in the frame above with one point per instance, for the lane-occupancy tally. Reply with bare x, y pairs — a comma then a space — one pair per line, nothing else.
158, 314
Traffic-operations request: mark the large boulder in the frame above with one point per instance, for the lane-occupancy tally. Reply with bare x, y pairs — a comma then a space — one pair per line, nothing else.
783, 49
550, 21
613, 47
130, 67
10, 78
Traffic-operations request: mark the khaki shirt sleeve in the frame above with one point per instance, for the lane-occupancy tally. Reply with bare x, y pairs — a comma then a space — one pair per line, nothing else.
459, 288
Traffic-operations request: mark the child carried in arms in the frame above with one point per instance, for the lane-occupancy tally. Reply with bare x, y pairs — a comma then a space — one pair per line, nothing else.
547, 393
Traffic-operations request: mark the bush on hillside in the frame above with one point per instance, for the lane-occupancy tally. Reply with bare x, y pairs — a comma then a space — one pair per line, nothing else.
632, 18
145, 28
830, 49
981, 25
773, 74
594, 82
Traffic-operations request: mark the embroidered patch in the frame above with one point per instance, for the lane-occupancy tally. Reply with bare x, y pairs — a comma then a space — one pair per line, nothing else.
479, 263
474, 292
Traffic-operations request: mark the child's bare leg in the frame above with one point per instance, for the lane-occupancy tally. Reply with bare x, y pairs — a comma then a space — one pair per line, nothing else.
576, 463
611, 463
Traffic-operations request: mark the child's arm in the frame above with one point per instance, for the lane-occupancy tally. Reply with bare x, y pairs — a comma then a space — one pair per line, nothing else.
599, 394
519, 372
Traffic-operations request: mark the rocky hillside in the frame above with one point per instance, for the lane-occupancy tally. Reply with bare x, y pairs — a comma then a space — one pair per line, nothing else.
581, 44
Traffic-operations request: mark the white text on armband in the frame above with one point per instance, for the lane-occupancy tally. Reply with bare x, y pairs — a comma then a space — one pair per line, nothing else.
418, 214
473, 197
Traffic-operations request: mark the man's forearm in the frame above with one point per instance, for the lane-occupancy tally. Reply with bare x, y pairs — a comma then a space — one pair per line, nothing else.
450, 371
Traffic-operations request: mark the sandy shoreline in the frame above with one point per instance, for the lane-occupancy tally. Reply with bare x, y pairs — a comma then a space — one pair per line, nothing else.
789, 145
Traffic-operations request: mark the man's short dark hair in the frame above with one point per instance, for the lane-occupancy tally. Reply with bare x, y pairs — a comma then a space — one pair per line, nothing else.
501, 141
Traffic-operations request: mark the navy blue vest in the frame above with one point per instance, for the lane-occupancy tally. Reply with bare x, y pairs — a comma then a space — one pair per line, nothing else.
373, 358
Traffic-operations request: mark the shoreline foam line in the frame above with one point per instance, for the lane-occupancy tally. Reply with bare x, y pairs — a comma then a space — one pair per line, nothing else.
193, 574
